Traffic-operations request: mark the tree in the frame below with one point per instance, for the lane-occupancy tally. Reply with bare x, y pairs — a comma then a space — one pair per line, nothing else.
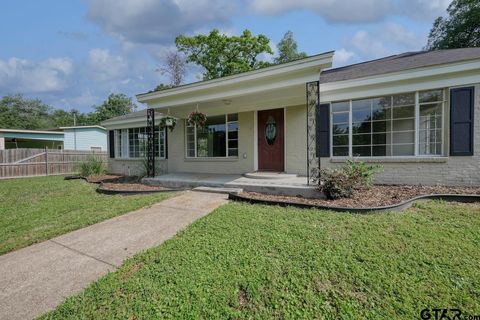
461, 29
174, 65
221, 55
288, 49
117, 104
62, 118
161, 87
17, 112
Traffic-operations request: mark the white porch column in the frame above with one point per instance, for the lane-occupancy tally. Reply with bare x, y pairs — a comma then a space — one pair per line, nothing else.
2, 143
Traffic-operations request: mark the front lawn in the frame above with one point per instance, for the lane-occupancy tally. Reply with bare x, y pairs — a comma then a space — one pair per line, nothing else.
249, 261
36, 209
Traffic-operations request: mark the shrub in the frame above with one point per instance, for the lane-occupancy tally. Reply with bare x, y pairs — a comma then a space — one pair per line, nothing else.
336, 184
93, 166
361, 172
158, 168
342, 182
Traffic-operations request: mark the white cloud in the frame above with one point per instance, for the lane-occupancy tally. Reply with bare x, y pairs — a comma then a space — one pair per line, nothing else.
332, 10
157, 21
103, 66
21, 75
384, 40
355, 11
396, 33
423, 9
343, 57
367, 45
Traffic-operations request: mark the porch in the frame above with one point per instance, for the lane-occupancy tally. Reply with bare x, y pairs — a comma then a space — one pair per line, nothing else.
269, 183
255, 121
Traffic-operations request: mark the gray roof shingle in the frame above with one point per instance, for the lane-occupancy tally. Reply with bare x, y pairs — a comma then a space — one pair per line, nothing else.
137, 114
399, 62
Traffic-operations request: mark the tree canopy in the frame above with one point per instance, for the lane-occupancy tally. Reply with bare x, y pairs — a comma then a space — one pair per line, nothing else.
461, 29
117, 104
18, 112
288, 49
222, 55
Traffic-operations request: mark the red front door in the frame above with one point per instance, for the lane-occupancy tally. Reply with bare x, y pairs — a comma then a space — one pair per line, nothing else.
271, 140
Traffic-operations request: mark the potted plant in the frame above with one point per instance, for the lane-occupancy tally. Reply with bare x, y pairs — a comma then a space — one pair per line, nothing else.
197, 118
168, 122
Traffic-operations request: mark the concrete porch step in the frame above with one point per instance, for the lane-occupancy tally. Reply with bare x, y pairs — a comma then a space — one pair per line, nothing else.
218, 190
269, 175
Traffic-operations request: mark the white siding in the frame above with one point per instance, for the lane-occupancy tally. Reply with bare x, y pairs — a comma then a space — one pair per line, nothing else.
85, 139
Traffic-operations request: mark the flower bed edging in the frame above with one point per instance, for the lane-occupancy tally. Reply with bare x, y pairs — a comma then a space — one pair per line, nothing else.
465, 198
73, 177
101, 189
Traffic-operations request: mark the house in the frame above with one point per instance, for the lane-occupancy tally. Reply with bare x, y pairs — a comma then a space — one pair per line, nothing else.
68, 138
85, 138
415, 113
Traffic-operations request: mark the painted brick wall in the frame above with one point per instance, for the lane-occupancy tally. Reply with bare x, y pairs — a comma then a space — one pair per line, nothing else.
448, 171
133, 167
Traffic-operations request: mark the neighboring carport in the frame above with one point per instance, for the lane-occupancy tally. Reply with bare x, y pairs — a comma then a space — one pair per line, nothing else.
18, 138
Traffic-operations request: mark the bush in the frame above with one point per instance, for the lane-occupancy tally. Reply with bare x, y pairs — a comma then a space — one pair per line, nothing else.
361, 172
336, 184
93, 166
342, 182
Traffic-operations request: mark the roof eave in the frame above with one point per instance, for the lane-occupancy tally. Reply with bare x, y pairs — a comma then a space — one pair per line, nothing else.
83, 127
317, 60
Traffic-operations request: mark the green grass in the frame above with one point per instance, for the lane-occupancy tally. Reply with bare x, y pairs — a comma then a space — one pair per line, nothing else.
36, 209
249, 261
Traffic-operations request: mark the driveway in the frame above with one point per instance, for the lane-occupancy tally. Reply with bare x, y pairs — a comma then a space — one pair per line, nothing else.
36, 279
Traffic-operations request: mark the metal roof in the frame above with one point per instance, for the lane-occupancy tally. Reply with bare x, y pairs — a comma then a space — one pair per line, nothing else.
30, 131
83, 127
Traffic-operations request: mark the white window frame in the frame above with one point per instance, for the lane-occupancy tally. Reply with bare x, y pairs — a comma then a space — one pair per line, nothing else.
125, 141
226, 140
416, 129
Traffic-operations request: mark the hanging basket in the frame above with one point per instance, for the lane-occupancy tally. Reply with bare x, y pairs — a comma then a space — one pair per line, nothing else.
197, 118
168, 122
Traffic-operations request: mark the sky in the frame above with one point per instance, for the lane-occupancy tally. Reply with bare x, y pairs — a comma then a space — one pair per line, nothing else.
73, 54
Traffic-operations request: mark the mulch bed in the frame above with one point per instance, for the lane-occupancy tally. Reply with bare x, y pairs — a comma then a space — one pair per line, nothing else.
134, 186
376, 196
105, 178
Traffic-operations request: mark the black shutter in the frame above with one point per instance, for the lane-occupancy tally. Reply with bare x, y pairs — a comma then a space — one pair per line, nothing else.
461, 121
322, 115
111, 143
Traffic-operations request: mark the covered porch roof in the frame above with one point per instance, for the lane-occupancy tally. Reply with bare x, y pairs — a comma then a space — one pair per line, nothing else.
31, 134
271, 87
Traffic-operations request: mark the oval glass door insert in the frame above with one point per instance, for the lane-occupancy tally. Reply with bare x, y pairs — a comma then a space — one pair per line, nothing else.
270, 130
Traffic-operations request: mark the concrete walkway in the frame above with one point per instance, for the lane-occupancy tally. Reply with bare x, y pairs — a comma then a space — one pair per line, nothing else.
36, 279
271, 183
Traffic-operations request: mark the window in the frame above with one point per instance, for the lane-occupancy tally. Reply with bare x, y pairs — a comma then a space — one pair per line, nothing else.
386, 126
218, 138
132, 143
431, 120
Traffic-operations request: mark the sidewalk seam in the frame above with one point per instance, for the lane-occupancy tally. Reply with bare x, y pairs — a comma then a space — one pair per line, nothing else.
84, 254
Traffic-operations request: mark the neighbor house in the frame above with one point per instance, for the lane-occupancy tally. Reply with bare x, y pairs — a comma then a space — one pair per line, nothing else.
85, 138
417, 114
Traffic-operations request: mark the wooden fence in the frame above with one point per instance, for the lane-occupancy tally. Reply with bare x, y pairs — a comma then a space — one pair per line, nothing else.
43, 162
